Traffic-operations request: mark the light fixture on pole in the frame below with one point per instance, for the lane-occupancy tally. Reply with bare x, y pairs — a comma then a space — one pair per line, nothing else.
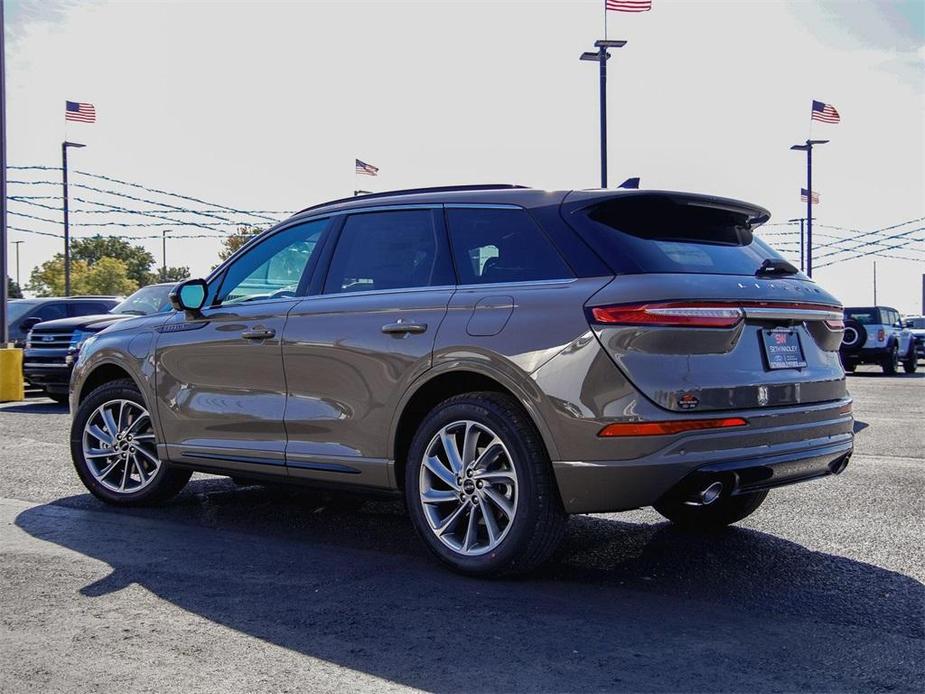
601, 56
808, 148
67, 229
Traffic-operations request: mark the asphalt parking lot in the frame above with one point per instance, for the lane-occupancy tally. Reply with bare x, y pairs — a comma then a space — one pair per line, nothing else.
260, 589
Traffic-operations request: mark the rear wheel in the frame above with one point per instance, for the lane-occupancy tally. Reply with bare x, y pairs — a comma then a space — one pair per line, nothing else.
114, 449
724, 511
480, 489
890, 362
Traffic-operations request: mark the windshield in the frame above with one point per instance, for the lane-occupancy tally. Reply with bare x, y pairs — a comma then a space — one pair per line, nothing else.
18, 309
152, 299
658, 234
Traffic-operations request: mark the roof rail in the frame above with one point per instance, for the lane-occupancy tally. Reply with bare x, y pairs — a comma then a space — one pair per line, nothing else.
410, 191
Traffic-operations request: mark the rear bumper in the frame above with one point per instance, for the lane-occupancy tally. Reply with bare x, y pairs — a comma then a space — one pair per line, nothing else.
762, 456
867, 354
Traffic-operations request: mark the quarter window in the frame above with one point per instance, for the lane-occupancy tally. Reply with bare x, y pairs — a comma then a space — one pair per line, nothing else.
501, 245
273, 268
389, 250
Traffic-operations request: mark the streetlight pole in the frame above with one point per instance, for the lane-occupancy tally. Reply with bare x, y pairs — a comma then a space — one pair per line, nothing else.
18, 244
67, 228
601, 57
808, 148
4, 285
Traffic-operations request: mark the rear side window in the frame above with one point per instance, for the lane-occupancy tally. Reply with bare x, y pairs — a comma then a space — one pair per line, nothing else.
656, 233
501, 245
389, 250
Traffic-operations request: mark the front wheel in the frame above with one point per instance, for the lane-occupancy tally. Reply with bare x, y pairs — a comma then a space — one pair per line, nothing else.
724, 511
114, 449
911, 362
891, 361
480, 489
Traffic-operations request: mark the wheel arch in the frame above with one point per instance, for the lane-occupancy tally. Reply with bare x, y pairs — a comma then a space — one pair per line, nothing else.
101, 373
442, 384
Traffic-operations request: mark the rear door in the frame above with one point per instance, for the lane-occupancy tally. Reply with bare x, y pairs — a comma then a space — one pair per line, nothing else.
702, 315
352, 348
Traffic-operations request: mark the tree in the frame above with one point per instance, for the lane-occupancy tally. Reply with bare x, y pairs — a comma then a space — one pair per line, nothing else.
137, 260
174, 274
13, 289
106, 276
235, 240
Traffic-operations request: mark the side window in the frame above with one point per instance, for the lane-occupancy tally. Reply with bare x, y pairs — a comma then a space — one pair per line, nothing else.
273, 268
88, 308
389, 250
501, 245
50, 311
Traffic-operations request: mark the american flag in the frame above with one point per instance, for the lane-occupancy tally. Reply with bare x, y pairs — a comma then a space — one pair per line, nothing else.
825, 113
79, 112
805, 194
628, 5
365, 169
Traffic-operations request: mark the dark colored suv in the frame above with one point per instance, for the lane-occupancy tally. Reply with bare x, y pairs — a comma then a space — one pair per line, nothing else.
52, 346
500, 356
25, 314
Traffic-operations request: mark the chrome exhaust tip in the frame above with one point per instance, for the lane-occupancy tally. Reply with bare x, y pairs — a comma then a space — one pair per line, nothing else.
707, 495
711, 493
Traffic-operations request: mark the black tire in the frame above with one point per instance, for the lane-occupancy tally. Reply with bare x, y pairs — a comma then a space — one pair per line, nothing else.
847, 365
890, 362
911, 362
538, 521
60, 398
167, 481
724, 511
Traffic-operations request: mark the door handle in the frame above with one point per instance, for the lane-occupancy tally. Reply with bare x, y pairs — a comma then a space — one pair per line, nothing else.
258, 334
400, 327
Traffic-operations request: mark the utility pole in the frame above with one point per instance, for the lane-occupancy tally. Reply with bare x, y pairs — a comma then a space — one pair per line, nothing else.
164, 255
875, 283
67, 228
601, 57
808, 148
4, 284
18, 244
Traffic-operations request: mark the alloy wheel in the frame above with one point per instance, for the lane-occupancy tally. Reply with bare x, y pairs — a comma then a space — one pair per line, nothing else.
468, 488
119, 447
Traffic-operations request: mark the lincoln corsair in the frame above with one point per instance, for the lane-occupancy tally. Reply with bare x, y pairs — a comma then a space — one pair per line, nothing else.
499, 356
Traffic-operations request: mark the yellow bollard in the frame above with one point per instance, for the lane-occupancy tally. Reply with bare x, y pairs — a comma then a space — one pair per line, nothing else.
11, 381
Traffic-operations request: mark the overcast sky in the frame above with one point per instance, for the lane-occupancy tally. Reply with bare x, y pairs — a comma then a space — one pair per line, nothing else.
261, 105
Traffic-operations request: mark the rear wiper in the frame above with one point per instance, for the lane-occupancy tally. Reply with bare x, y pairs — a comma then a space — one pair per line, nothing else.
771, 266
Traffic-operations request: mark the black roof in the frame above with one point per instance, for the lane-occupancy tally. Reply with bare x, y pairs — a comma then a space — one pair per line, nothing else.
523, 196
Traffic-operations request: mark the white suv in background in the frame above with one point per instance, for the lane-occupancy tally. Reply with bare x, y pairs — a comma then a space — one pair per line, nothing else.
877, 335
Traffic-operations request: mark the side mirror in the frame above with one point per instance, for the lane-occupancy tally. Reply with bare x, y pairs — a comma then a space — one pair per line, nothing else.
189, 295
29, 323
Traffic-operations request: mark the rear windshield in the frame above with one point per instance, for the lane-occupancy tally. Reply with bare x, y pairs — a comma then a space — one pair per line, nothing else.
864, 316
658, 234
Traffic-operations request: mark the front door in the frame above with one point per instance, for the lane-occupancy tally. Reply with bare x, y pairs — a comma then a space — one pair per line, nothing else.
352, 349
221, 389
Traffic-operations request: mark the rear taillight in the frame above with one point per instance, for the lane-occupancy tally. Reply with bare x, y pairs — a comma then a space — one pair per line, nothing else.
703, 315
835, 324
670, 427
880, 335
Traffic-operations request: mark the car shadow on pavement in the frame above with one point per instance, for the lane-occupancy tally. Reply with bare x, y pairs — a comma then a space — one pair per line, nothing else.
44, 407
621, 606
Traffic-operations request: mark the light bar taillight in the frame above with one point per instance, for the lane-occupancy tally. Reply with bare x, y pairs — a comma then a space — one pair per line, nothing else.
668, 428
880, 335
702, 315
